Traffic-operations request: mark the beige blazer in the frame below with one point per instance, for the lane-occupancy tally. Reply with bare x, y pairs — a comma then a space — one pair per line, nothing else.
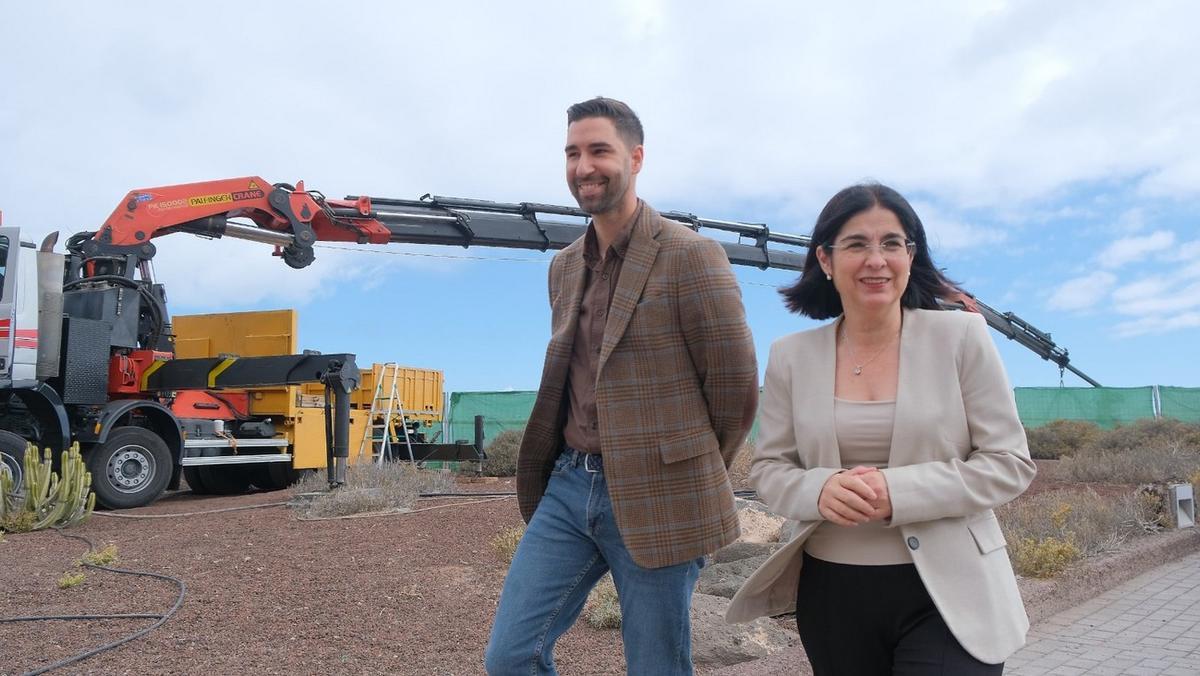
675, 392
958, 451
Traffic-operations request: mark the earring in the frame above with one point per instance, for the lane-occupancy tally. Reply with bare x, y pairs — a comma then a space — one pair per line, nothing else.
828, 276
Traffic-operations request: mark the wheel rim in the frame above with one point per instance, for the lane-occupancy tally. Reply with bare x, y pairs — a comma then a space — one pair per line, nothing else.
131, 468
13, 466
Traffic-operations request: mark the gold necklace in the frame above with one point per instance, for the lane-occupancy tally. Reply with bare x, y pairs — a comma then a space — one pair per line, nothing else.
858, 366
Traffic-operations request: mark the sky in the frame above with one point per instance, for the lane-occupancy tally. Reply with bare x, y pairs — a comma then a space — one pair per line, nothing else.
1051, 149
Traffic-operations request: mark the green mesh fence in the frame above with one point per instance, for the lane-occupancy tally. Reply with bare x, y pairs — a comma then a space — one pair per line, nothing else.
500, 410
1181, 403
1105, 406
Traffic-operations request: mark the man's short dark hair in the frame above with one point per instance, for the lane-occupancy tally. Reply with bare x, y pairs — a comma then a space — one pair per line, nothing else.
622, 116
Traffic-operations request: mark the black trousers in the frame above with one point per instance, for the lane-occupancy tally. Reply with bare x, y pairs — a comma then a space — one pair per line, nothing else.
876, 621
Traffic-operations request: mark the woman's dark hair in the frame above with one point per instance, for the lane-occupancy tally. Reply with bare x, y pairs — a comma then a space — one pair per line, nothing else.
814, 296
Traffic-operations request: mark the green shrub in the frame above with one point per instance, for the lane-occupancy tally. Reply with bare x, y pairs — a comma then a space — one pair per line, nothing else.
69, 580
44, 500
104, 557
1060, 438
502, 453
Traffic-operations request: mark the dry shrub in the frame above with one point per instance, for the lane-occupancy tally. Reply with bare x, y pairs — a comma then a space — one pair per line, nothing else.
1049, 530
739, 470
505, 544
502, 453
1042, 558
371, 488
1154, 464
602, 609
1162, 432
1061, 438
1148, 451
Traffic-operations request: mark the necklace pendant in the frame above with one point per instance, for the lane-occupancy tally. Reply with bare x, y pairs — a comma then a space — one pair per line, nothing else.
858, 370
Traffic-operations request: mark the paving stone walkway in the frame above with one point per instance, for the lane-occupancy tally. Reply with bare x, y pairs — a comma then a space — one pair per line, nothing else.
1149, 625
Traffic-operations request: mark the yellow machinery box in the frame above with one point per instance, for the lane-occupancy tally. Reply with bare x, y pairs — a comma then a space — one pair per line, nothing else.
420, 391
300, 415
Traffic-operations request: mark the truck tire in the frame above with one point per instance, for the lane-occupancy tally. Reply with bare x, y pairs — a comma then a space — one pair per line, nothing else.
130, 469
224, 479
192, 476
274, 476
12, 456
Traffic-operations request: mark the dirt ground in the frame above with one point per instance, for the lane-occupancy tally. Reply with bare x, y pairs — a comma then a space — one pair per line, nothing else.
267, 593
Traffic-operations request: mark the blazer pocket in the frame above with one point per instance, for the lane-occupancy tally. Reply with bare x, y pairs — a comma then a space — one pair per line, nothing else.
987, 533
690, 445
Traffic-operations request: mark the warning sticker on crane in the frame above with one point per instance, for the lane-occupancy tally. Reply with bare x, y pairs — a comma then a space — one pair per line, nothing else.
204, 200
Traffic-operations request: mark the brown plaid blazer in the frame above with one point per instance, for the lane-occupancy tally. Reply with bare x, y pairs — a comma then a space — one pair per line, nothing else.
676, 391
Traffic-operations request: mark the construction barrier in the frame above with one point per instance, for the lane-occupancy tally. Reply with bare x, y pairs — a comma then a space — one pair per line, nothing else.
1104, 406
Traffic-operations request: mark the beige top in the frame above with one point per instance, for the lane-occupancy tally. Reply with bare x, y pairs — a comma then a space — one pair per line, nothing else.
864, 437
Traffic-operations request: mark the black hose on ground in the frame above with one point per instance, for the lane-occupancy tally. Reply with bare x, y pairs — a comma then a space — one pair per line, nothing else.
108, 646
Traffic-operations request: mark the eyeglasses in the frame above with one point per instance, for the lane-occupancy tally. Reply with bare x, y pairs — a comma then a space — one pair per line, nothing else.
891, 248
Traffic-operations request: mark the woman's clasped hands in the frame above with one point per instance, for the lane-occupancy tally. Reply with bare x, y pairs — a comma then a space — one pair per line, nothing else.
855, 496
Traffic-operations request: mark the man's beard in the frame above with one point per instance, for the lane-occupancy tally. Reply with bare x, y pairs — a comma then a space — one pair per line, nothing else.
608, 199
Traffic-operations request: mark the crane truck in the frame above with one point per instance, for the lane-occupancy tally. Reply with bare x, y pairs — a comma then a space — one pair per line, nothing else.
86, 343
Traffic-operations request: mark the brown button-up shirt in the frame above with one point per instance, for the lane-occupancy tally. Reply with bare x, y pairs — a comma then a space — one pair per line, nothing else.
581, 430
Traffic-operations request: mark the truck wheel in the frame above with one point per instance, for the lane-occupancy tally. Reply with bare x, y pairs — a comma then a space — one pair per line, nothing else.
273, 476
130, 469
224, 479
192, 476
12, 456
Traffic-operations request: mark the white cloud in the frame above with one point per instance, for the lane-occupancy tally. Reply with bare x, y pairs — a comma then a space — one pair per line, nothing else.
1157, 296
951, 235
1000, 106
1158, 324
1129, 249
212, 275
1082, 293
1130, 221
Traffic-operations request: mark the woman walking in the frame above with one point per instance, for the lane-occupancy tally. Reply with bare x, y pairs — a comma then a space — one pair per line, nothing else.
891, 434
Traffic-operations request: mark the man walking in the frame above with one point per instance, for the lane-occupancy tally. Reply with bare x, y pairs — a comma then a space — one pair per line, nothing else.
648, 390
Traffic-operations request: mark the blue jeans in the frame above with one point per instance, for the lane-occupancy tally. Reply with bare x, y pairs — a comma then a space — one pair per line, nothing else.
570, 543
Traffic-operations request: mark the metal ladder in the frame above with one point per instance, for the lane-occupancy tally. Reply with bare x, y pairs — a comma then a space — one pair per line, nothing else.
384, 407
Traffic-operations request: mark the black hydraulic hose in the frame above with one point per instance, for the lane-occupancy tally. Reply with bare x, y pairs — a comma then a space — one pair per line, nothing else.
129, 616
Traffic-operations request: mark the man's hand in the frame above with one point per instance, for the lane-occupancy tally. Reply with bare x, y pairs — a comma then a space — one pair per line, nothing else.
846, 499
875, 479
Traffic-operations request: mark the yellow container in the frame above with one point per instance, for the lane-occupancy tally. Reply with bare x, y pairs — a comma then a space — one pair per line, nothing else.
298, 410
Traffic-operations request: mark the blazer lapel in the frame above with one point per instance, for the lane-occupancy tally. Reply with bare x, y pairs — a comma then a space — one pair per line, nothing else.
825, 371
571, 296
907, 397
635, 270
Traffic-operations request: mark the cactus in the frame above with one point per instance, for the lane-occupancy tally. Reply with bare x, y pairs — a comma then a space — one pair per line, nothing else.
47, 500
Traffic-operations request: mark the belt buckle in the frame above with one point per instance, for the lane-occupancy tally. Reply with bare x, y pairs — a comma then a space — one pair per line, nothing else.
587, 463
